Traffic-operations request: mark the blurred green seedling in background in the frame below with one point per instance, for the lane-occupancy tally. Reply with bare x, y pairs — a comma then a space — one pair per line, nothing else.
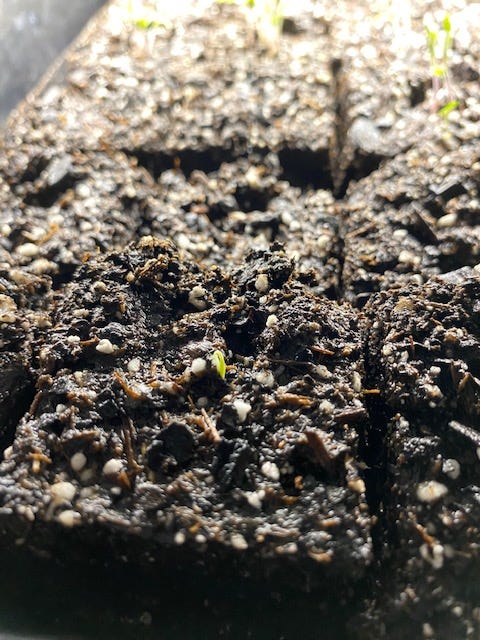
439, 44
146, 17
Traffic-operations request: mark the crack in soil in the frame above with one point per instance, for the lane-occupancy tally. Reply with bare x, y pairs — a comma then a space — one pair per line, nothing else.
187, 160
306, 167
20, 393
373, 450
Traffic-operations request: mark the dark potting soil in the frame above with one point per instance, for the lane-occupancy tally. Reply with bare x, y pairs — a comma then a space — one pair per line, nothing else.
133, 346
425, 344
238, 308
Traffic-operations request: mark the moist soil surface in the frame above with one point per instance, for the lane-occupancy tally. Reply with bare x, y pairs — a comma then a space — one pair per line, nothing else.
239, 329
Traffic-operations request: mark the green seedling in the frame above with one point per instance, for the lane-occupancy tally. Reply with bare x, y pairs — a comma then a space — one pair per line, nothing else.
439, 45
448, 108
218, 362
145, 18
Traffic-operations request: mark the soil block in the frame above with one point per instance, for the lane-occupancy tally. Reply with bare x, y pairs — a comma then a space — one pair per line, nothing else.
426, 349
218, 217
413, 218
199, 90
191, 409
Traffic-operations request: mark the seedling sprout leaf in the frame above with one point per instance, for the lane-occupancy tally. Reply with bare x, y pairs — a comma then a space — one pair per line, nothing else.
448, 108
218, 362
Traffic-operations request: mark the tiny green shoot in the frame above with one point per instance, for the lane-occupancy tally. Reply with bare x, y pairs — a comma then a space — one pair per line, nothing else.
448, 108
145, 18
439, 44
269, 20
218, 362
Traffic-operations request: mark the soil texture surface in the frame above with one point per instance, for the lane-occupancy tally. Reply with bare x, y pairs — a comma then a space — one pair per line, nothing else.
240, 321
